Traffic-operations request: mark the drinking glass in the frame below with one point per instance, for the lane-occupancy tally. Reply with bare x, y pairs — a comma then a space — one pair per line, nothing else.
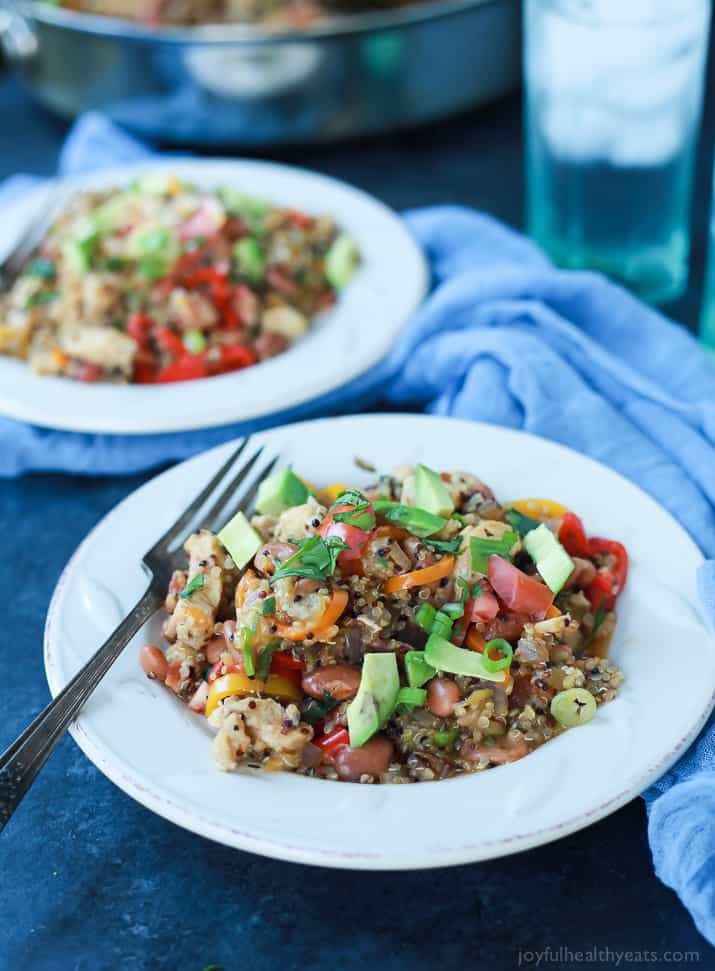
613, 101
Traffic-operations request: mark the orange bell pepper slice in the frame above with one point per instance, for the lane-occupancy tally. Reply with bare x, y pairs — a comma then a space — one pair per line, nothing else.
540, 508
475, 642
275, 686
552, 612
335, 607
420, 578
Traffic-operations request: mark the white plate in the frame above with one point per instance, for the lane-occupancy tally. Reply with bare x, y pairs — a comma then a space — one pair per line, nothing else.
157, 751
343, 343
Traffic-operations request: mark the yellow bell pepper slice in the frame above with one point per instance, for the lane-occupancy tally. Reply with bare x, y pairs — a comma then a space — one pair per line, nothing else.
540, 509
330, 493
239, 684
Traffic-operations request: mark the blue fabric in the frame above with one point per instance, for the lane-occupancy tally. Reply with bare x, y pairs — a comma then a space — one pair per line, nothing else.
506, 338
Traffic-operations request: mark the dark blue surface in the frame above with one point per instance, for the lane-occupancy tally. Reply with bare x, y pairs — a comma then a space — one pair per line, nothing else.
90, 881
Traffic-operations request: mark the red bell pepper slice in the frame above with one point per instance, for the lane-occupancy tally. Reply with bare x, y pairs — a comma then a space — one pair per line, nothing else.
572, 536
284, 664
609, 581
234, 357
138, 327
169, 341
333, 741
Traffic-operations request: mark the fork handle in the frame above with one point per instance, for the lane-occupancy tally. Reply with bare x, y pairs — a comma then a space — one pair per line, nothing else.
21, 762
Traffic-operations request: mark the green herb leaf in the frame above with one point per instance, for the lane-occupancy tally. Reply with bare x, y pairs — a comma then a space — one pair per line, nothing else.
247, 637
269, 606
115, 264
477, 591
315, 559
315, 710
482, 547
263, 665
195, 583
351, 497
598, 619
420, 522
361, 517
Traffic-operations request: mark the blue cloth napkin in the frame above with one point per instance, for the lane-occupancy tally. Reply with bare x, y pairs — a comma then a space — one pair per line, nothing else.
505, 338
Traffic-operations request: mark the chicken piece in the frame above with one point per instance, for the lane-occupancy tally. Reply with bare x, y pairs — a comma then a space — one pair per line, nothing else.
191, 311
103, 346
287, 321
194, 616
260, 726
300, 522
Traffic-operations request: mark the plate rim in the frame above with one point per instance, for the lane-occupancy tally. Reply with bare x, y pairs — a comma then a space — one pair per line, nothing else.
166, 807
34, 410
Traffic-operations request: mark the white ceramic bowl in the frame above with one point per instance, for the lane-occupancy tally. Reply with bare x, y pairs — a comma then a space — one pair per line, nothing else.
155, 749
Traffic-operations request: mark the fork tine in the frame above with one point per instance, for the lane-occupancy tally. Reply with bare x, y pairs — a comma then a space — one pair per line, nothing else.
188, 514
249, 496
211, 515
32, 233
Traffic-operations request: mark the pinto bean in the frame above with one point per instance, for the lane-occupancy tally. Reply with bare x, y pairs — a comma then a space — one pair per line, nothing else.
499, 754
153, 662
442, 696
373, 758
272, 554
341, 681
582, 574
509, 626
269, 345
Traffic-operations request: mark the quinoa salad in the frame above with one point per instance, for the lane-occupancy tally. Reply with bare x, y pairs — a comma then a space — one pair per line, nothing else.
164, 281
281, 14
409, 631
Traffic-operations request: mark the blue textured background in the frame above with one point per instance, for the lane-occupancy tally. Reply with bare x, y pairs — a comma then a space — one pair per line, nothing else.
90, 881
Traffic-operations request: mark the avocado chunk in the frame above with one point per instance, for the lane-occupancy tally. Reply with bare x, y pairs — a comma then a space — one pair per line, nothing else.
240, 539
431, 493
341, 261
250, 258
445, 656
376, 697
551, 559
279, 492
418, 670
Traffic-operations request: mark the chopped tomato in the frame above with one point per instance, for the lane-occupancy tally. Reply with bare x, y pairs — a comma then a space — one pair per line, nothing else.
333, 741
185, 368
354, 538
169, 341
138, 327
144, 373
285, 664
235, 356
299, 219
516, 590
485, 606
572, 536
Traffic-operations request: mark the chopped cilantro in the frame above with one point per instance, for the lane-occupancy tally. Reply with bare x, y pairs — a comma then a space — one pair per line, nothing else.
44, 269
195, 583
43, 296
269, 606
263, 665
315, 559
315, 710
453, 546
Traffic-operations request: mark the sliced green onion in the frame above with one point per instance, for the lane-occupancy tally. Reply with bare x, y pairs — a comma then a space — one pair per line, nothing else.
412, 696
425, 616
247, 636
497, 664
44, 296
521, 523
445, 739
418, 670
194, 341
442, 625
453, 610
482, 547
263, 666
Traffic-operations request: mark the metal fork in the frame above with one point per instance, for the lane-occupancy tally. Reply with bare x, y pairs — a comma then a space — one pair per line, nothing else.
30, 237
21, 762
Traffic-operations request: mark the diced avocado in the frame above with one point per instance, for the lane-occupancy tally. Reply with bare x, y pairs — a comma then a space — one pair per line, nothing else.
279, 492
79, 253
431, 493
240, 539
156, 248
376, 697
418, 670
445, 656
341, 260
250, 258
551, 559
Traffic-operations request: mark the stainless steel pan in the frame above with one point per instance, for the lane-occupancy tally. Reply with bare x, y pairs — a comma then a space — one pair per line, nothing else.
239, 85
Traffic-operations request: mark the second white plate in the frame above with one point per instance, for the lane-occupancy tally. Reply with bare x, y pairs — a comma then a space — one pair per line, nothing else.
344, 342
